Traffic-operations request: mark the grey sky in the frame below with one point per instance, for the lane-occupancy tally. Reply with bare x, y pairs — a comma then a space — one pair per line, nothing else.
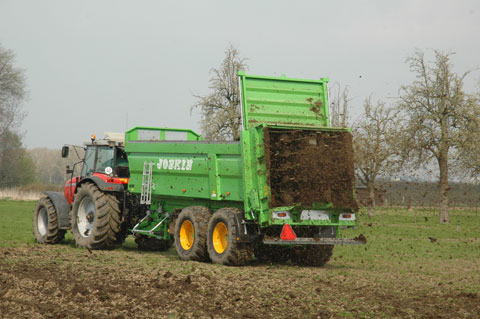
90, 63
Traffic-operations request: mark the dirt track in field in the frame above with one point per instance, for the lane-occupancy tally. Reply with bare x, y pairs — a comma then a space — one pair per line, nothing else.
39, 281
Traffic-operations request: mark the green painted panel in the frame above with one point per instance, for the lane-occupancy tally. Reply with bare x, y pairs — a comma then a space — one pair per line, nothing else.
144, 133
187, 169
282, 101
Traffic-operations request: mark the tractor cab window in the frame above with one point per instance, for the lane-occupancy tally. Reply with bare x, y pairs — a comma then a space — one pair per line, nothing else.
97, 159
89, 161
121, 163
105, 160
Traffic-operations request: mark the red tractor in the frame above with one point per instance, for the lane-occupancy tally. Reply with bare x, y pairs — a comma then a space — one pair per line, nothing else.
93, 205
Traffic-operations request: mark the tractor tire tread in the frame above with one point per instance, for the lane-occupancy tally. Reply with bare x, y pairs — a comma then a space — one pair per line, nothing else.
53, 235
107, 215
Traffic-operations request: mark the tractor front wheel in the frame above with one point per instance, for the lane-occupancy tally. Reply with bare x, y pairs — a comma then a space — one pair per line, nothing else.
95, 218
45, 222
222, 243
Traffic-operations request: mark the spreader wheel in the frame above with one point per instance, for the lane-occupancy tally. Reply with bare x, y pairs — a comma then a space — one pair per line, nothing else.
191, 233
313, 255
149, 243
273, 253
222, 243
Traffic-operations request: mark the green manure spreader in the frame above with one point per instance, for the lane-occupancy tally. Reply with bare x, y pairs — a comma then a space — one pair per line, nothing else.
280, 193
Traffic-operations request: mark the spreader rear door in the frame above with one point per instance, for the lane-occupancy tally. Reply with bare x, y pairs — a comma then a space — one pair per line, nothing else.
282, 101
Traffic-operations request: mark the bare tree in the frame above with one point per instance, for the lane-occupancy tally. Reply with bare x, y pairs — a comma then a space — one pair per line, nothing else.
469, 150
15, 165
220, 110
12, 92
339, 102
374, 142
438, 115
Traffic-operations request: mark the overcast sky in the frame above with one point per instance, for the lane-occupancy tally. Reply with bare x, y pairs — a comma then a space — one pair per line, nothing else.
97, 66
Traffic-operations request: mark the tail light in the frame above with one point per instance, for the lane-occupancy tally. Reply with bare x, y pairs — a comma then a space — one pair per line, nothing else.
347, 216
281, 214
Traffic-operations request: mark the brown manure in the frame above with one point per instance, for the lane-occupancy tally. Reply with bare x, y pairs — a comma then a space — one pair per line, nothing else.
310, 166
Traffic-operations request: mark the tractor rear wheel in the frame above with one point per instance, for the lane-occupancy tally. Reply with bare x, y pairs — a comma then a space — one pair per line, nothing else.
191, 233
95, 218
149, 243
222, 244
45, 222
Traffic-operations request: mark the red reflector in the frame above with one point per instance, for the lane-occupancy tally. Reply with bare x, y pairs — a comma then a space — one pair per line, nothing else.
288, 233
347, 216
281, 214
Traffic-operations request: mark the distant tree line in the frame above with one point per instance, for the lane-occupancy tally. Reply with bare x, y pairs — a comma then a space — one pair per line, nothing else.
16, 166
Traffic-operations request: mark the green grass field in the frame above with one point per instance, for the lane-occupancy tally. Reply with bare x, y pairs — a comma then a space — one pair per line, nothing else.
411, 267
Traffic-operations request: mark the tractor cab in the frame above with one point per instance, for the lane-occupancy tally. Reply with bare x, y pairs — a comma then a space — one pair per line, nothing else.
104, 164
105, 157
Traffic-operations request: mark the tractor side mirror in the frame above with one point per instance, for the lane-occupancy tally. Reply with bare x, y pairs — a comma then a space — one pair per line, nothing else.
65, 151
69, 170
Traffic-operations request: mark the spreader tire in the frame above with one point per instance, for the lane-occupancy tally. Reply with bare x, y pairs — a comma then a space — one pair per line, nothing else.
45, 222
149, 243
191, 233
95, 218
122, 234
273, 253
222, 244
313, 255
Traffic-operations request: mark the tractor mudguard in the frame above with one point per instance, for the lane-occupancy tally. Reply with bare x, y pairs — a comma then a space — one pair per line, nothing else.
103, 185
62, 208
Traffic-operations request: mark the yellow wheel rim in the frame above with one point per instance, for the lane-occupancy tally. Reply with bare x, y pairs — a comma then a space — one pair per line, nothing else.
220, 238
187, 235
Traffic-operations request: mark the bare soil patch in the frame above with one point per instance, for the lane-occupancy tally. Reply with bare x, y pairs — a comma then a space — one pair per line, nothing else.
39, 281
